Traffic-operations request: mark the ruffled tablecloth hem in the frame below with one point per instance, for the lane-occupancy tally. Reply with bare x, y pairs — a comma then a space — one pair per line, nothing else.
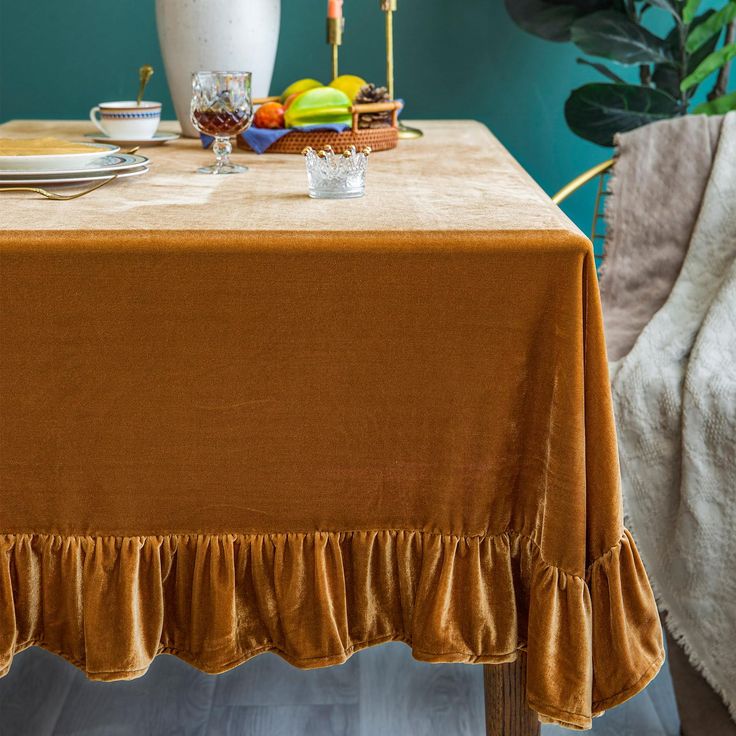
109, 605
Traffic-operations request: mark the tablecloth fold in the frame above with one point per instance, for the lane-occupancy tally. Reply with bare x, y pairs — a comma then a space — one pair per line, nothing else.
109, 605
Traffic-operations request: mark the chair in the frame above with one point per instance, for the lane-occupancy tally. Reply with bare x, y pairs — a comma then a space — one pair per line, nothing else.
601, 171
701, 709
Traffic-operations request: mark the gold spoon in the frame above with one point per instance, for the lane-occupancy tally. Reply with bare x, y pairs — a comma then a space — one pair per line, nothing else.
144, 73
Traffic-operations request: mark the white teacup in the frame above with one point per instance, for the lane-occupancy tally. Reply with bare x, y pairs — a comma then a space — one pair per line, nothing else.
127, 120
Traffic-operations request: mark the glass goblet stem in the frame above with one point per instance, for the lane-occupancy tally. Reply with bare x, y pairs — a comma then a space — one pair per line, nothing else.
222, 149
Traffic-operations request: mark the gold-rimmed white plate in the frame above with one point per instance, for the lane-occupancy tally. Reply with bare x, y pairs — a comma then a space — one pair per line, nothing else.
36, 162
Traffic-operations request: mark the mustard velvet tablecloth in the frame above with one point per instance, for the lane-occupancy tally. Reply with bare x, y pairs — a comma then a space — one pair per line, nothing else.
235, 420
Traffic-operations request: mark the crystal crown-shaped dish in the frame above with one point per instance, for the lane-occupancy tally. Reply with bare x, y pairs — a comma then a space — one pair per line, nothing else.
332, 175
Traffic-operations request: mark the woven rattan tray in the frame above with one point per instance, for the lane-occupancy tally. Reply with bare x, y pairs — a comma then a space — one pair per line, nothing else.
379, 139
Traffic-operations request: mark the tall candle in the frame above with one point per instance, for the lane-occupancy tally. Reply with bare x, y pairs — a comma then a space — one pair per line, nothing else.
334, 9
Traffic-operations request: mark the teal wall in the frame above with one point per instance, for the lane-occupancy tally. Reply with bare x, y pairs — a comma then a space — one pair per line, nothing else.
453, 59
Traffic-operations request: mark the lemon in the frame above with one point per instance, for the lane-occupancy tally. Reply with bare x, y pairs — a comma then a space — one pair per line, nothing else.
349, 84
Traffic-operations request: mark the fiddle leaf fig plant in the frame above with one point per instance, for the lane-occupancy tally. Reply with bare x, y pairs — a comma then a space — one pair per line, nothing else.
698, 49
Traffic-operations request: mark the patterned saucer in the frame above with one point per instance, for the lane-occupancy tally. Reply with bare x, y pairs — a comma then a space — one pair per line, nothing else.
158, 139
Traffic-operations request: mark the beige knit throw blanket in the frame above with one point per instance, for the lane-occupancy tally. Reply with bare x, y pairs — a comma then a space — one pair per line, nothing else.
669, 293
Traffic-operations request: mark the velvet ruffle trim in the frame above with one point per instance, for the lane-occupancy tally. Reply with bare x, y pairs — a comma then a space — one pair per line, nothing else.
111, 604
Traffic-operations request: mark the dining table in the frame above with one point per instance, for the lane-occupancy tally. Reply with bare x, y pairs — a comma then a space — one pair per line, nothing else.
235, 420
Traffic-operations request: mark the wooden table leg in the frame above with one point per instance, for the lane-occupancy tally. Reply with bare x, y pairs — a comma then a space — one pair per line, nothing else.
507, 713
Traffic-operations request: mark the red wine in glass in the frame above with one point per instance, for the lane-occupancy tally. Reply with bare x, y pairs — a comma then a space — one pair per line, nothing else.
221, 122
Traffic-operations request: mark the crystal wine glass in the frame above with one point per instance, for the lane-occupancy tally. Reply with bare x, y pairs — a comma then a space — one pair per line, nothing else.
221, 107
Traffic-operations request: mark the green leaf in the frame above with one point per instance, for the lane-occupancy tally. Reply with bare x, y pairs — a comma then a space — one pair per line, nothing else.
604, 70
667, 78
551, 19
690, 9
719, 106
597, 112
613, 35
710, 27
694, 60
711, 63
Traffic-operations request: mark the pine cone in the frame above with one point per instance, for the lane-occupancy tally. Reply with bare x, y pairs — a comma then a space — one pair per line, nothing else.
371, 93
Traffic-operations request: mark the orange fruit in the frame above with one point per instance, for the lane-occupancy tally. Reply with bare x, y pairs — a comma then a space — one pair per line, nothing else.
270, 115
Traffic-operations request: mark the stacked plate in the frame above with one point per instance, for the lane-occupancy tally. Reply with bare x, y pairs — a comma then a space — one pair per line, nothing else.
101, 162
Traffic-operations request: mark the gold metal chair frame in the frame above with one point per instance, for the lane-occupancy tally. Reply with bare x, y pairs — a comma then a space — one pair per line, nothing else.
601, 171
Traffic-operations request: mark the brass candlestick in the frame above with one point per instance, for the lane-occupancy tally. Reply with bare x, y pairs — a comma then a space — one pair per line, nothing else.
389, 8
335, 27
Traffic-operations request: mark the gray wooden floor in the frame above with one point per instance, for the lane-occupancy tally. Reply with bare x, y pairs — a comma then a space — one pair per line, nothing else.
380, 691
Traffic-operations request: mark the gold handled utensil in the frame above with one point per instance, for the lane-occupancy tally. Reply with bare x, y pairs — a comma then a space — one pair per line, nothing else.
144, 74
59, 197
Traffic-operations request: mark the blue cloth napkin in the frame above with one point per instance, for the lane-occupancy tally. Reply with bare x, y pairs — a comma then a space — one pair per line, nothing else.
261, 139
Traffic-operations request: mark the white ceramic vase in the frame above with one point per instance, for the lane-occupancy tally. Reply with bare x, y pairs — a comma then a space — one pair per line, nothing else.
217, 35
